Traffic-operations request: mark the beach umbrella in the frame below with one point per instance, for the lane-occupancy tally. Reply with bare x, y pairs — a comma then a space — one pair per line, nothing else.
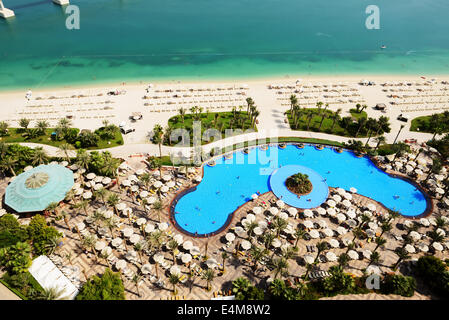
191, 170
87, 195
254, 196
409, 248
250, 217
146, 268
258, 231
314, 234
157, 184
280, 203
340, 191
198, 178
126, 183
90, 176
106, 180
370, 233
321, 211
164, 189
354, 255
439, 177
283, 215
240, 231
128, 232
437, 246
117, 242
371, 207
367, 253
175, 270
274, 210
346, 203
432, 221
81, 226
308, 224
98, 186
120, 264
229, 237
166, 177
178, 238
330, 256
419, 172
263, 224
186, 258
140, 172
347, 196
415, 235
108, 214
257, 210
28, 168
331, 212
334, 243
293, 211
141, 221
195, 251
439, 191
336, 198
328, 232
187, 245
425, 222
331, 203
277, 243
353, 190
133, 178
341, 230
246, 245
170, 184
98, 179
156, 173
308, 213
100, 245
423, 247
245, 222
441, 232
151, 200
322, 223
341, 217
158, 257
212, 263
408, 168
308, 258
106, 251
134, 238
163, 226
143, 194
134, 188
373, 225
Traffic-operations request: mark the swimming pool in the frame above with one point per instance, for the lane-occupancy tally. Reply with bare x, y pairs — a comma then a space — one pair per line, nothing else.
231, 182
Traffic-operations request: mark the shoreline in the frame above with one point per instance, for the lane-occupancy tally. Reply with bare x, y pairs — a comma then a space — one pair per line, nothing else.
114, 84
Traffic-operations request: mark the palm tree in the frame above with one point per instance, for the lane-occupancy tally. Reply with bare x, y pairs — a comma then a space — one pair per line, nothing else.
250, 229
361, 123
42, 126
335, 117
293, 102
24, 123
321, 247
374, 258
113, 200
158, 207
82, 158
401, 147
89, 242
402, 127
343, 260
299, 234
172, 245
174, 279
435, 236
157, 137
3, 128
8, 164
279, 264
104, 255
371, 124
101, 193
64, 149
249, 102
209, 276
279, 225
39, 156
310, 115
257, 254
322, 120
65, 217
380, 140
402, 255
136, 280
111, 224
52, 208
83, 204
182, 113
224, 256
268, 238
379, 242
54, 293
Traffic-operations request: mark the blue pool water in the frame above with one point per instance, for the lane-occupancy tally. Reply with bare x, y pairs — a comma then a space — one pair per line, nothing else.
231, 183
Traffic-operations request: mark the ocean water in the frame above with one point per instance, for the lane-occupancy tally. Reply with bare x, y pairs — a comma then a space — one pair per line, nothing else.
230, 183
124, 40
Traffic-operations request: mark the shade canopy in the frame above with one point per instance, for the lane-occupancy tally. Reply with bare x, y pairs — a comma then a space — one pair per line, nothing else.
36, 188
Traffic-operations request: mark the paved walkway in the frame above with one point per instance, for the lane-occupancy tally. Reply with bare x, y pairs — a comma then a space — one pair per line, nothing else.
6, 294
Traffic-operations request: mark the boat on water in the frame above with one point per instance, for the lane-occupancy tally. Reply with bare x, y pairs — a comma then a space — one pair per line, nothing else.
383, 47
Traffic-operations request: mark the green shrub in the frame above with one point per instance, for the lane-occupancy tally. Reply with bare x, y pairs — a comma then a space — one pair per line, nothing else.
23, 284
338, 282
244, 290
398, 284
11, 231
44, 238
16, 258
107, 287
434, 273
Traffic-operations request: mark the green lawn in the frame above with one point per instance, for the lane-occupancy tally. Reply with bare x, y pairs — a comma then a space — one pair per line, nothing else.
326, 127
15, 135
208, 121
423, 124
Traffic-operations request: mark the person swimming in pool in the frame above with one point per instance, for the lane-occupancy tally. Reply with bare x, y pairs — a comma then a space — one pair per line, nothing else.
213, 222
238, 177
328, 172
218, 192
309, 200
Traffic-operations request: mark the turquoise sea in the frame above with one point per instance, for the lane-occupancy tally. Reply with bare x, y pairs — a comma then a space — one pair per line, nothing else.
125, 40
